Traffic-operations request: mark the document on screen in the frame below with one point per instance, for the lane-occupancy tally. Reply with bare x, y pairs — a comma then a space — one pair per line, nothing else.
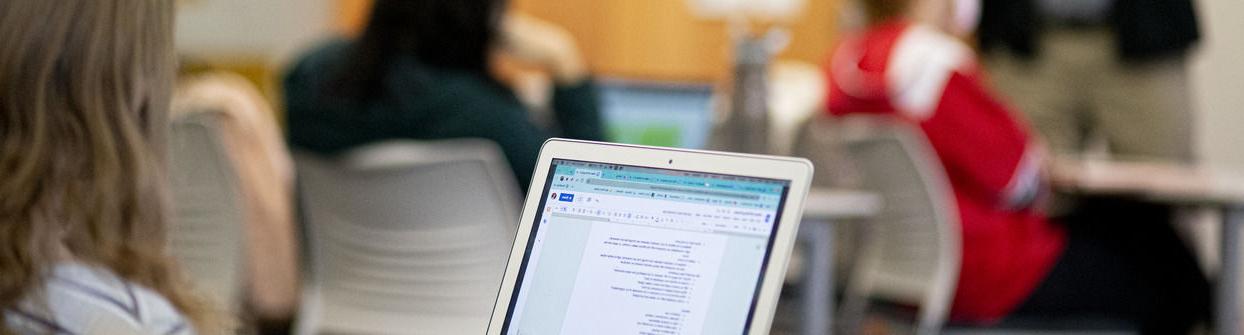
644, 281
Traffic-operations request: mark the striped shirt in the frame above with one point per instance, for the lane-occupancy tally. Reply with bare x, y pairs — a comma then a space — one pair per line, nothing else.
79, 299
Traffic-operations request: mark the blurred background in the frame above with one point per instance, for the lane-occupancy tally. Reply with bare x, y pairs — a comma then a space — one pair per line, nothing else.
707, 74
659, 40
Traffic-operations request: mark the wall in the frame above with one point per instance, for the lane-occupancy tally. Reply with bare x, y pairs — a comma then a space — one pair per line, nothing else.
268, 29
661, 39
652, 39
1218, 80
255, 38
260, 34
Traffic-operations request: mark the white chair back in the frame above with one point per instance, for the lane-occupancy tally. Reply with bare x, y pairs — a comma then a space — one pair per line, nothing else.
406, 237
207, 233
911, 252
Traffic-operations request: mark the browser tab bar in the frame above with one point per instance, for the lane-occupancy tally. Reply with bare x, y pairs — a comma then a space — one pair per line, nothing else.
587, 173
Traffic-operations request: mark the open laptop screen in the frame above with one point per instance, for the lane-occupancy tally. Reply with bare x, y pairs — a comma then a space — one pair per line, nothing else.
666, 114
632, 250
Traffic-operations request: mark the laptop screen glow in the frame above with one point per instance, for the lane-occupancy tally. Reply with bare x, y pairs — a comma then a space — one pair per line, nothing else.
658, 114
632, 250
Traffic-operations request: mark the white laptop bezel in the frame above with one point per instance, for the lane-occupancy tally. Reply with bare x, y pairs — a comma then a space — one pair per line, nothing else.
797, 171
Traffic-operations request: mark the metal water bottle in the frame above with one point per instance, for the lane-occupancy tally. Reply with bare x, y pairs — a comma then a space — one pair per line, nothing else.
748, 125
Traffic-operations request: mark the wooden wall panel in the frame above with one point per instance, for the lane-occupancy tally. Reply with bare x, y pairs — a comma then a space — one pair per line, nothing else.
813, 32
659, 39
653, 39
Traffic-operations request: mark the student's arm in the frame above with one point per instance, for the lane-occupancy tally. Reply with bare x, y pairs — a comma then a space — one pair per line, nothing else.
541, 43
575, 105
984, 147
986, 150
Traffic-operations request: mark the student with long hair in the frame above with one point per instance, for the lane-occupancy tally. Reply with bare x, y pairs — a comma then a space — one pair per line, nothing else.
423, 69
84, 90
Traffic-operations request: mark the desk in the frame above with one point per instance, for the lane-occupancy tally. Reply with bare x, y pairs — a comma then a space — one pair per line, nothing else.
822, 209
1181, 185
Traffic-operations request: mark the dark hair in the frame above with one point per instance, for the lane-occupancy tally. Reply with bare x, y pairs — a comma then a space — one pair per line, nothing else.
883, 10
455, 34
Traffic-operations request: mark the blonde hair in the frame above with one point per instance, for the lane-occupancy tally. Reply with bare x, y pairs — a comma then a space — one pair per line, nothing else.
84, 91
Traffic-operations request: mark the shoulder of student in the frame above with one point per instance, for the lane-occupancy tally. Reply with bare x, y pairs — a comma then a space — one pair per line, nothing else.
84, 300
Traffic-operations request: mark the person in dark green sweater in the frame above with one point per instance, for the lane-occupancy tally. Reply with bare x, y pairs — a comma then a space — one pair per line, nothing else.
421, 70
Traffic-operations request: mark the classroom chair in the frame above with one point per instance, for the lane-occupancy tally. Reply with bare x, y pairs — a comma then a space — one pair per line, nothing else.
232, 180
206, 235
910, 253
406, 237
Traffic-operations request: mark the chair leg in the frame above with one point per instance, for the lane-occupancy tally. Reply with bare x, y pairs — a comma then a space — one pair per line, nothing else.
855, 300
1227, 320
818, 292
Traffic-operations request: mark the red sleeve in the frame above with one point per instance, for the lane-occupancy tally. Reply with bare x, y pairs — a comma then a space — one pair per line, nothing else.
979, 140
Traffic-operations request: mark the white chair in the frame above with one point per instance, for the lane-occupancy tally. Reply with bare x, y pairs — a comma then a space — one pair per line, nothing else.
248, 143
911, 252
406, 237
206, 235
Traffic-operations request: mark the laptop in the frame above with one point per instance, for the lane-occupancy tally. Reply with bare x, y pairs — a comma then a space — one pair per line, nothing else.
627, 239
657, 113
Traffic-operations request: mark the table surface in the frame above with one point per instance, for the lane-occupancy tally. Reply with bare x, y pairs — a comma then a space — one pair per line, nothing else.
1160, 181
837, 204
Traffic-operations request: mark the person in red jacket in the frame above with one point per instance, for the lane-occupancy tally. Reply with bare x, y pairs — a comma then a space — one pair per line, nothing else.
1016, 261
